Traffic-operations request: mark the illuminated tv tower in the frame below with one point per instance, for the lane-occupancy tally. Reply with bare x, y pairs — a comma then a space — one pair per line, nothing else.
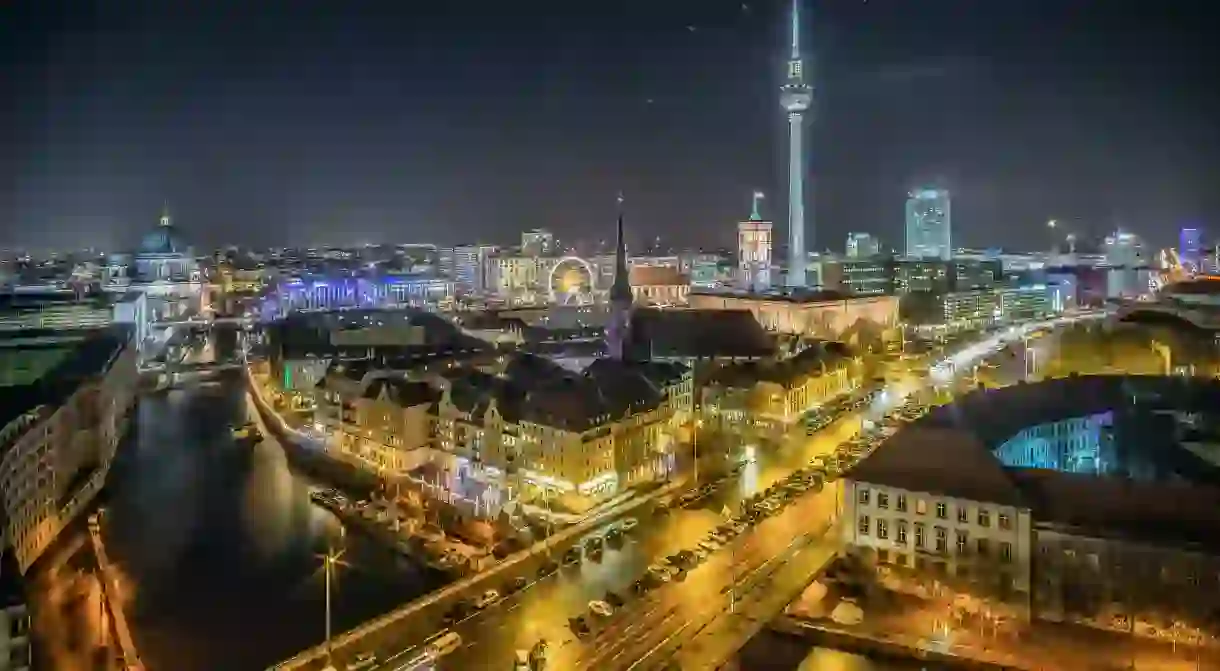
795, 97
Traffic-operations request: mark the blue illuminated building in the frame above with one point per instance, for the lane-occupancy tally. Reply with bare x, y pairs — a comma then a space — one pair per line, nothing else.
315, 294
1076, 445
1190, 247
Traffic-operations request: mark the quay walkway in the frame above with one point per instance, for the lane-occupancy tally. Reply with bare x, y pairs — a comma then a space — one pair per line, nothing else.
110, 592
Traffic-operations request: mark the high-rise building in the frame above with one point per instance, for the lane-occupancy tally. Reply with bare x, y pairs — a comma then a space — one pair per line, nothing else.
754, 250
795, 98
862, 245
928, 225
469, 267
1190, 248
1123, 249
538, 242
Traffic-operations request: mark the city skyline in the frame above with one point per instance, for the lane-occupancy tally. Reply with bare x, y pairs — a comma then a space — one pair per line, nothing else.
375, 136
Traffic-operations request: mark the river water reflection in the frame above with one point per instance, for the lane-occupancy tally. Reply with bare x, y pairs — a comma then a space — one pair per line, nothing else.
219, 544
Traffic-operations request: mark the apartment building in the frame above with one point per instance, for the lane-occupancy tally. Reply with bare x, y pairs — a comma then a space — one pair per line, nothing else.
523, 422
66, 396
773, 395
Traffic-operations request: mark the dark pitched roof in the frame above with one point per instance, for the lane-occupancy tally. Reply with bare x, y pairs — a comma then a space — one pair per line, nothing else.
939, 461
788, 372
697, 334
402, 392
1176, 512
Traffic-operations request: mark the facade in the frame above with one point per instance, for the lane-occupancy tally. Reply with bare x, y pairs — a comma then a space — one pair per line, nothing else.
66, 396
1190, 248
957, 311
929, 225
308, 294
58, 310
955, 539
538, 242
862, 245
15, 647
659, 285
754, 254
865, 320
796, 96
469, 267
867, 277
382, 421
769, 397
525, 424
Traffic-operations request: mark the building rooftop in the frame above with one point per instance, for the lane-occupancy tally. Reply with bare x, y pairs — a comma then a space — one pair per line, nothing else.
941, 461
51, 365
790, 296
809, 362
697, 334
949, 452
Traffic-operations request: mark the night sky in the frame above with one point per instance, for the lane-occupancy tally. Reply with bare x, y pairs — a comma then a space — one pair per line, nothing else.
307, 121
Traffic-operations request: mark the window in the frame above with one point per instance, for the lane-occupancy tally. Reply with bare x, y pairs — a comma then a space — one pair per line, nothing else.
942, 511
883, 500
921, 507
963, 515
864, 525
962, 539
863, 497
984, 518
918, 534
902, 503
942, 539
1005, 521
982, 547
902, 532
1005, 552
883, 529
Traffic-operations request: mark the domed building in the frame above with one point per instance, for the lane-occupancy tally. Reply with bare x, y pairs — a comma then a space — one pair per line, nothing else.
164, 256
163, 268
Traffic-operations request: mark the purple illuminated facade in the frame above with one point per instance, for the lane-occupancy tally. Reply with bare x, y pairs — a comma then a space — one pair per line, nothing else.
317, 294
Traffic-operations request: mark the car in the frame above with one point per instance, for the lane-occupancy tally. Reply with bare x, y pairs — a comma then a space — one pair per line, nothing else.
457, 613
579, 626
593, 544
486, 599
701, 555
629, 524
641, 586
601, 608
364, 660
614, 599
442, 644
659, 573
549, 568
517, 584
573, 556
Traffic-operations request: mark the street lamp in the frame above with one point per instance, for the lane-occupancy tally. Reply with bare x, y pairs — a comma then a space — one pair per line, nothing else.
695, 447
329, 560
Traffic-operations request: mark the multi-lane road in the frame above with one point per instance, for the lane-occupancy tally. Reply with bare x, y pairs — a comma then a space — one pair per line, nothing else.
645, 628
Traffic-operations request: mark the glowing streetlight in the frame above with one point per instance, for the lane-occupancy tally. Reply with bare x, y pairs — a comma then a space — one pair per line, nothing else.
329, 561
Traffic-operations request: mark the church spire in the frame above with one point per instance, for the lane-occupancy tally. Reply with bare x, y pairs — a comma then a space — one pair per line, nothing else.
621, 289
165, 219
619, 327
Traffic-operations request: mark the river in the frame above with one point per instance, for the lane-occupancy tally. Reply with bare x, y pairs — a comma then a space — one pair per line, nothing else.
220, 546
